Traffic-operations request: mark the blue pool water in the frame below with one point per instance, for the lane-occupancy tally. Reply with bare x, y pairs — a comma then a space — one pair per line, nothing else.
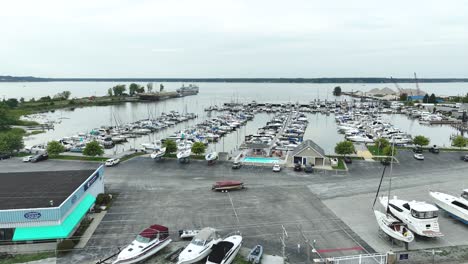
260, 160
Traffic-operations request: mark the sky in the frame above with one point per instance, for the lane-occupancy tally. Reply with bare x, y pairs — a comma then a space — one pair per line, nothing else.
245, 39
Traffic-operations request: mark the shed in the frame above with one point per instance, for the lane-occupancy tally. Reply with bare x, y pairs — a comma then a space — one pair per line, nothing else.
308, 152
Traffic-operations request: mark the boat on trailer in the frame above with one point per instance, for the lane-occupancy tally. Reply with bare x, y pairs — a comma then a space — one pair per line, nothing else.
457, 207
158, 154
199, 247
255, 254
393, 227
225, 251
147, 243
211, 157
227, 185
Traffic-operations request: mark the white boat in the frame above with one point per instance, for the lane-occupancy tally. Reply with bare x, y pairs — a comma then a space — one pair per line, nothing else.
211, 156
152, 146
147, 243
456, 207
420, 217
184, 154
188, 233
199, 247
159, 153
360, 138
225, 251
393, 227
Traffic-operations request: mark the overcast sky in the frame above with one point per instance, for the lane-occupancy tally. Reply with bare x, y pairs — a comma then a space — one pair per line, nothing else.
216, 38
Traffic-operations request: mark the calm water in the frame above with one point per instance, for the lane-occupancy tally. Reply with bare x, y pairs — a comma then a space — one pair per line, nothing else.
321, 129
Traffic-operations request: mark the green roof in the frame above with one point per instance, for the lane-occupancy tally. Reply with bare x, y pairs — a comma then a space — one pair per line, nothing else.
56, 231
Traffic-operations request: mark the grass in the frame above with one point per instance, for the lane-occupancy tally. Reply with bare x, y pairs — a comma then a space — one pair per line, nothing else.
26, 257
84, 158
34, 132
240, 260
374, 150
130, 156
340, 165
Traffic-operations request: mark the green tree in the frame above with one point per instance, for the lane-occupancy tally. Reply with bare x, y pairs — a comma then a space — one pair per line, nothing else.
63, 95
5, 118
459, 141
337, 91
425, 99
403, 97
55, 148
149, 87
132, 89
10, 142
387, 151
119, 90
93, 149
421, 140
198, 148
170, 145
432, 99
11, 103
381, 143
109, 92
22, 100
344, 148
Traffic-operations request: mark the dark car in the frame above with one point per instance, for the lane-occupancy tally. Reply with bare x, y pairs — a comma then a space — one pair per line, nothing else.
348, 160
297, 167
4, 156
236, 165
434, 149
309, 168
418, 149
464, 158
39, 157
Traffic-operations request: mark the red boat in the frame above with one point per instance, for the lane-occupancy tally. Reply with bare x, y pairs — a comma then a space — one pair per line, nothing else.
227, 185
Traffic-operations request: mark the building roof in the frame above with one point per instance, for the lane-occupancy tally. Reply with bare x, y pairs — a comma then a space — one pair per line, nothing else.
308, 144
21, 190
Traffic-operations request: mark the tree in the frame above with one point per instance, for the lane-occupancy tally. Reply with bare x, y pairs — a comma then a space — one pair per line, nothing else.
426, 98
381, 143
149, 87
93, 149
132, 89
22, 100
63, 95
55, 148
109, 92
337, 91
459, 141
161, 87
198, 148
5, 118
421, 140
119, 89
344, 148
432, 99
170, 145
11, 103
403, 97
387, 151
10, 142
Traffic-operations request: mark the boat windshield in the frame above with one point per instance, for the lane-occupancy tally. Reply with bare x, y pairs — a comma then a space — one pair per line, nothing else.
142, 239
198, 242
465, 195
424, 215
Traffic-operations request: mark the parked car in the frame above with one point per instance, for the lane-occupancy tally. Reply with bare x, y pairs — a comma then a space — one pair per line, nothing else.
39, 157
112, 162
418, 156
4, 156
348, 160
434, 149
297, 167
236, 165
464, 158
309, 168
418, 149
276, 168
27, 158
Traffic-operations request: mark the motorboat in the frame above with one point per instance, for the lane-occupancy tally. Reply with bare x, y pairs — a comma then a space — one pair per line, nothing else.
159, 153
420, 217
455, 207
147, 243
393, 227
184, 154
227, 185
188, 233
212, 156
152, 146
199, 247
255, 255
225, 251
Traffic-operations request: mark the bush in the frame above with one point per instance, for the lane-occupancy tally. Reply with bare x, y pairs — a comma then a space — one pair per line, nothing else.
198, 148
66, 245
93, 149
170, 145
55, 148
103, 199
344, 147
421, 140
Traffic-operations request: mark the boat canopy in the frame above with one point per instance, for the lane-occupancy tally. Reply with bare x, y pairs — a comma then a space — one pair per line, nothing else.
152, 231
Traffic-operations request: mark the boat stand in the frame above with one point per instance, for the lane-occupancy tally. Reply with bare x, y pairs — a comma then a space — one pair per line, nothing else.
390, 240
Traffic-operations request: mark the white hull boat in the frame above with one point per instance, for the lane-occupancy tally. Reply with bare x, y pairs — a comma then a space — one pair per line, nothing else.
158, 153
199, 247
211, 156
148, 242
456, 207
420, 217
393, 227
225, 251
184, 154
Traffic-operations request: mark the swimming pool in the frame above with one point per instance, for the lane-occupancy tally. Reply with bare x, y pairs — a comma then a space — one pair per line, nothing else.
260, 160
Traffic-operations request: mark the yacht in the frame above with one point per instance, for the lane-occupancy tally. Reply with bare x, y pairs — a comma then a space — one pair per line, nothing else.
455, 207
184, 154
158, 153
420, 217
360, 138
147, 243
225, 251
188, 90
152, 146
199, 247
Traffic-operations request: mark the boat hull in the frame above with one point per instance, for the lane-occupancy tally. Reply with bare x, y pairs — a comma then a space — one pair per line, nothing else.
443, 201
383, 221
144, 255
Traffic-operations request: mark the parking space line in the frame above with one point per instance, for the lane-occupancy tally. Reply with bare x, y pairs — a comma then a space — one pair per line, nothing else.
233, 208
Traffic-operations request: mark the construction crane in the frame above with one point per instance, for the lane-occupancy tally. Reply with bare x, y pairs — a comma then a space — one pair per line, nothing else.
418, 91
397, 86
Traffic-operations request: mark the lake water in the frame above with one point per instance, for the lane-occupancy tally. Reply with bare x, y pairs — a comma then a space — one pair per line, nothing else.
321, 129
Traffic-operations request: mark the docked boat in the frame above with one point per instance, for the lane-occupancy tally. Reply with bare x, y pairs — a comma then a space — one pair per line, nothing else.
455, 207
188, 90
225, 251
210, 157
199, 247
188, 233
159, 153
255, 254
227, 185
393, 227
420, 217
152, 146
147, 243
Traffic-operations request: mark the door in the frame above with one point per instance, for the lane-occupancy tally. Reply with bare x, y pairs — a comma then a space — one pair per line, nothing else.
297, 160
304, 161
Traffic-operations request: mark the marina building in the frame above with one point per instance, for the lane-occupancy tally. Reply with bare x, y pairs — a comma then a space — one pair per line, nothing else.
308, 152
44, 206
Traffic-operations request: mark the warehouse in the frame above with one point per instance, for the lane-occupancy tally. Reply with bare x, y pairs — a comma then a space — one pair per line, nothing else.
46, 205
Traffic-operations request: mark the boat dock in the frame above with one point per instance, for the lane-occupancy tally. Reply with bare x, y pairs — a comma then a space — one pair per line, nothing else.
157, 96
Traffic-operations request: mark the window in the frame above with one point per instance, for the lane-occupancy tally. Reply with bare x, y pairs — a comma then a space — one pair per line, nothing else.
465, 195
424, 215
406, 205
457, 203
396, 208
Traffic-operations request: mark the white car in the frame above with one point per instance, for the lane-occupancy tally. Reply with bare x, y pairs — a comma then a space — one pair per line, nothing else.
276, 168
418, 156
112, 162
27, 158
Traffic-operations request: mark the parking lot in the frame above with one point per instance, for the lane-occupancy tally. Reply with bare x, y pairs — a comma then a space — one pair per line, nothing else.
334, 210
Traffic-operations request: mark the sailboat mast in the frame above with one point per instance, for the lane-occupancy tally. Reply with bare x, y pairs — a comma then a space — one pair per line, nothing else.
391, 174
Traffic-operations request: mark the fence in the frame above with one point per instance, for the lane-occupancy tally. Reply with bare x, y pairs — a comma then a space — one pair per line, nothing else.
361, 259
